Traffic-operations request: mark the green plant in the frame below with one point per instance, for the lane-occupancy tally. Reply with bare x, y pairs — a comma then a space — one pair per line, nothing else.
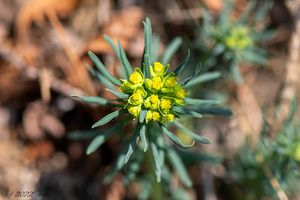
271, 168
223, 43
150, 99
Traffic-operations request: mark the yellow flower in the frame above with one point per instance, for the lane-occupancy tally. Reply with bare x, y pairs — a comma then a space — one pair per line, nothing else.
149, 116
156, 95
157, 83
158, 68
136, 77
170, 117
136, 99
170, 82
165, 104
134, 110
155, 116
180, 93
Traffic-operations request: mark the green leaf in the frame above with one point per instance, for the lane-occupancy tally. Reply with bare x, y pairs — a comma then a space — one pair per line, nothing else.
102, 69
157, 161
246, 12
112, 45
193, 135
147, 37
175, 139
142, 116
143, 137
182, 65
184, 111
97, 142
120, 95
255, 57
91, 99
203, 78
171, 50
77, 135
196, 157
195, 74
131, 146
124, 60
179, 167
101, 78
213, 111
201, 102
107, 118
263, 10
155, 48
236, 74
147, 66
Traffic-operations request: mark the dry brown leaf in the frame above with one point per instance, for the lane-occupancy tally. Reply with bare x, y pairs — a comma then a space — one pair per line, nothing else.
124, 26
251, 117
35, 11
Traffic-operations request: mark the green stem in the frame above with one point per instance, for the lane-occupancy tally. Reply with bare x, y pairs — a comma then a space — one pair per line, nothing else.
157, 190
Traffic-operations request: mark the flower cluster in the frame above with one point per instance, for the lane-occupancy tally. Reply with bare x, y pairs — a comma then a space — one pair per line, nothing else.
238, 38
157, 94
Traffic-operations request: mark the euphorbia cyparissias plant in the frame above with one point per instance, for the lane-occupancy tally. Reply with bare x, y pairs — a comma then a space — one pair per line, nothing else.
152, 98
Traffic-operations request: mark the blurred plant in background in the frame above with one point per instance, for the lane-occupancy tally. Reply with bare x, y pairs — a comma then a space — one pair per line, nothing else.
224, 42
271, 167
154, 100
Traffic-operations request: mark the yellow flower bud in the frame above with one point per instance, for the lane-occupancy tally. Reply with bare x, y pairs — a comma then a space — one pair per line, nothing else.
170, 117
180, 93
170, 82
158, 68
155, 116
135, 99
134, 110
149, 116
136, 77
157, 83
165, 104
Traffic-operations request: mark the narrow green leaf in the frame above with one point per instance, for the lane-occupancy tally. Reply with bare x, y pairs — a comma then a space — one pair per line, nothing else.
102, 69
236, 74
185, 111
201, 102
147, 66
101, 78
193, 135
112, 45
77, 135
91, 99
120, 95
203, 78
157, 161
97, 142
175, 139
212, 110
182, 65
179, 167
195, 74
143, 137
155, 48
107, 118
131, 146
147, 36
124, 60
171, 50
142, 116
246, 12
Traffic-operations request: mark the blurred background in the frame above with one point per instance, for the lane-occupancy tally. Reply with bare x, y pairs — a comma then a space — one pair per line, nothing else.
43, 60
